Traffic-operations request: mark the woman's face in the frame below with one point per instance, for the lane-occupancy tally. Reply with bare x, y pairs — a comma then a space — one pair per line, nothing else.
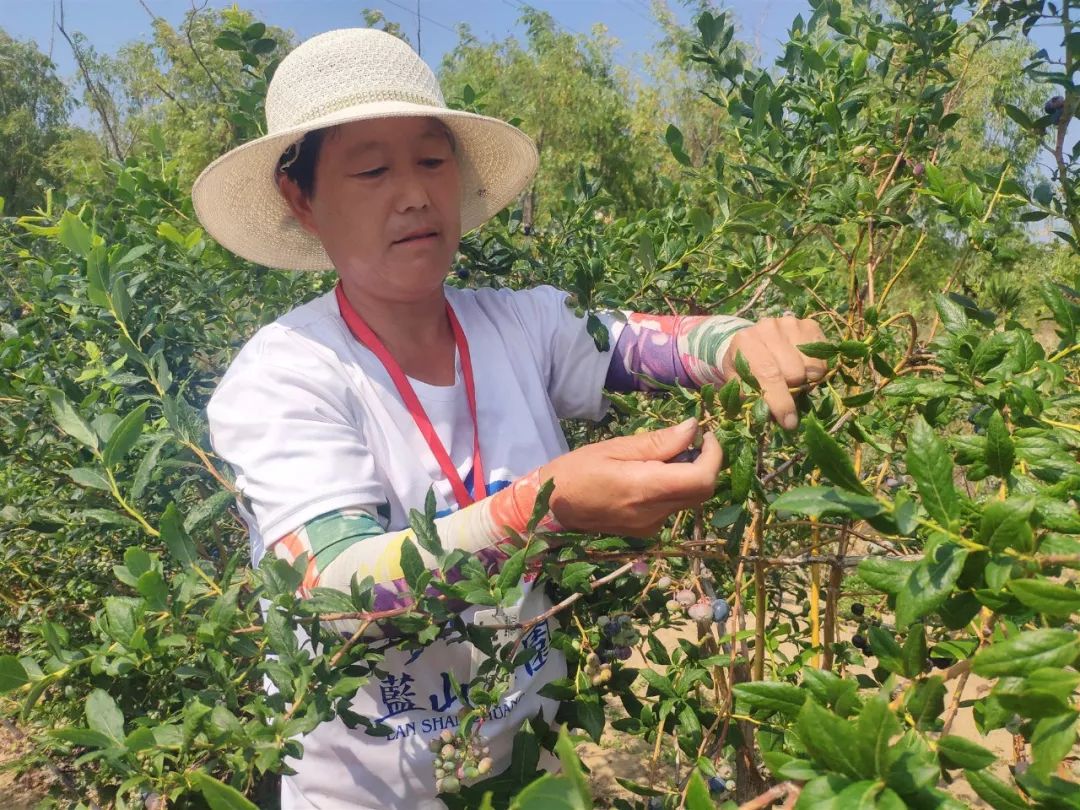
386, 205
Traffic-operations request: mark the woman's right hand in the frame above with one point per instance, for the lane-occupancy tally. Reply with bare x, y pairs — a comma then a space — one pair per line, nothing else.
626, 485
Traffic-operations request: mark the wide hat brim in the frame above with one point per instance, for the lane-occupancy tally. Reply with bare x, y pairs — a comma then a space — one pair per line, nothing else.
237, 200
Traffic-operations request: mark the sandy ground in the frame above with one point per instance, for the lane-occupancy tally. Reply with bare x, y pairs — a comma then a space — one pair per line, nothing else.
22, 791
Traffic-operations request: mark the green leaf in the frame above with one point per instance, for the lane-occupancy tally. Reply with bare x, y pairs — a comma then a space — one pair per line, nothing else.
104, 716
598, 332
512, 569
829, 739
887, 651
697, 793
926, 702
773, 696
742, 368
914, 652
1000, 452
219, 795
412, 564
930, 583
875, 728
1018, 115
1026, 652
69, 420
953, 317
175, 538
147, 465
12, 674
830, 457
822, 793
701, 221
124, 436
660, 684
82, 736
929, 463
576, 575
958, 752
886, 573
550, 792
74, 235
138, 562
820, 501
1051, 740
1005, 524
208, 509
541, 506
263, 46
89, 477
674, 138
822, 351
1046, 597
229, 42
590, 714
571, 766
995, 792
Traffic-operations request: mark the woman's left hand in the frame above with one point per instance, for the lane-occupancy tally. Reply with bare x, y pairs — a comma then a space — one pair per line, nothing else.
769, 347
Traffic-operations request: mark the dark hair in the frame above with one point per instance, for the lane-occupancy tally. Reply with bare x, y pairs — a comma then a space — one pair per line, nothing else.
299, 160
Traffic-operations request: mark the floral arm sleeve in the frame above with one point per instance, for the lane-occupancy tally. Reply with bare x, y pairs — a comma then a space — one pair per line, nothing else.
350, 542
683, 349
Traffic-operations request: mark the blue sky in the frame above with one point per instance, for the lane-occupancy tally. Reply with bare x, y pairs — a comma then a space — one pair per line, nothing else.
108, 24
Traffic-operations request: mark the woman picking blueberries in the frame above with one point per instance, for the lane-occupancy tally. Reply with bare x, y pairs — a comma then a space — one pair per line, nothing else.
338, 417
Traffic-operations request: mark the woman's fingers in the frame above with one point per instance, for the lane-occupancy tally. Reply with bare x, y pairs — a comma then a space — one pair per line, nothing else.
807, 331
765, 367
790, 360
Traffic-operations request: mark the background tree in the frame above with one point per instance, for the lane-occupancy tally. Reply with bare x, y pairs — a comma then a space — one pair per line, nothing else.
34, 105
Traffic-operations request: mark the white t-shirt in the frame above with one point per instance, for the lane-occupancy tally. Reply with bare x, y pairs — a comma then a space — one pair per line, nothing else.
310, 422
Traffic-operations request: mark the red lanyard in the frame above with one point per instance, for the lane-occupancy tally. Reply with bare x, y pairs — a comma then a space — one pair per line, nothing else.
362, 332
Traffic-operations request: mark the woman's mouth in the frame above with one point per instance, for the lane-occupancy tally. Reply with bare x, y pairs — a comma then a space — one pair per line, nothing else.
418, 237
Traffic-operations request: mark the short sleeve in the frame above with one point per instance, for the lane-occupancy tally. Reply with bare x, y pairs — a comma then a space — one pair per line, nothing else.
565, 352
282, 421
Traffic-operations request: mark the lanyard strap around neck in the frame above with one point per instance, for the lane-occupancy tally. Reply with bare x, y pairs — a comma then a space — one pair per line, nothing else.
364, 334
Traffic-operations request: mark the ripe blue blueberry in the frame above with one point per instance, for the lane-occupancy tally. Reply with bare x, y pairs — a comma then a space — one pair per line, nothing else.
623, 653
716, 785
720, 610
610, 629
461, 273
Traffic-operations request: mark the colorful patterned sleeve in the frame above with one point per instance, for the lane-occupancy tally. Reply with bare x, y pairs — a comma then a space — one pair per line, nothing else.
670, 349
350, 542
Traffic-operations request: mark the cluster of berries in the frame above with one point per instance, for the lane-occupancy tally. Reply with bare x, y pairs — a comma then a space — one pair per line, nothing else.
598, 672
617, 636
858, 640
458, 759
703, 611
717, 784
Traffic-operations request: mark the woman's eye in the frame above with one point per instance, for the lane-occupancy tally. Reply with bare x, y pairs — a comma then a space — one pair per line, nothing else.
372, 172
432, 163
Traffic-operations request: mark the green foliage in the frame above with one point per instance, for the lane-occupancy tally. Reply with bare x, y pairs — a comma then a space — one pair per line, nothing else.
936, 465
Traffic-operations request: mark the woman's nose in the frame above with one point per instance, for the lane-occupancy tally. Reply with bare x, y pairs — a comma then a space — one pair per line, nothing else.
412, 192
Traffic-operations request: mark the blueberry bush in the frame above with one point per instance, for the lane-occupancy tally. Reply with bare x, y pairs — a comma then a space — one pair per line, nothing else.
808, 638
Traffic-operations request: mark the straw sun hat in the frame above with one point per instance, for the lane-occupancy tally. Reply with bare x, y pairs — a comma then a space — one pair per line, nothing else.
347, 75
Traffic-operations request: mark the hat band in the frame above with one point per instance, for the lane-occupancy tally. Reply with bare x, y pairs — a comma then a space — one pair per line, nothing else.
345, 102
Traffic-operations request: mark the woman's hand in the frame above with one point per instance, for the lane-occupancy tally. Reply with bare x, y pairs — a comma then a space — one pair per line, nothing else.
769, 349
625, 485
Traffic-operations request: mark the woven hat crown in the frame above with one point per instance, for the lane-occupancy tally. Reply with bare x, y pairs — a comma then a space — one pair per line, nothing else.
343, 68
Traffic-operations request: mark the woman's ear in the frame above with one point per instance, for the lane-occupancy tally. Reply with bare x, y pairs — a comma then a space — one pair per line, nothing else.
299, 203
